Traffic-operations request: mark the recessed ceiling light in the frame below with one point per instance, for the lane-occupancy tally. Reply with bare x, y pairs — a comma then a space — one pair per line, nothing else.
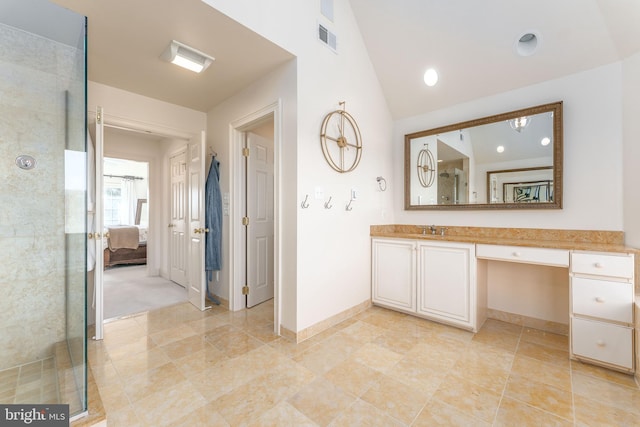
528, 43
500, 149
186, 57
430, 77
545, 141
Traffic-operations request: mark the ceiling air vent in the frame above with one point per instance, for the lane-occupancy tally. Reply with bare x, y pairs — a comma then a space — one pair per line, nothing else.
327, 37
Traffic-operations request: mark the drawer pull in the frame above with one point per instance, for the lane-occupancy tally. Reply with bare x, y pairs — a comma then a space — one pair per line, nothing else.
516, 254
599, 299
597, 265
600, 343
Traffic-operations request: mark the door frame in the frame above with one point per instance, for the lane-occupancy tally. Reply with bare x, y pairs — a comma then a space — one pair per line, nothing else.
237, 130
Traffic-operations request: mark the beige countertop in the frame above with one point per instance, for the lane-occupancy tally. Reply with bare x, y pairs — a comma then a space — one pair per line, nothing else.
587, 240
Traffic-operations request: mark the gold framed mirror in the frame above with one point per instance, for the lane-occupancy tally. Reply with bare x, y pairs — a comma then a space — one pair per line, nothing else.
511, 160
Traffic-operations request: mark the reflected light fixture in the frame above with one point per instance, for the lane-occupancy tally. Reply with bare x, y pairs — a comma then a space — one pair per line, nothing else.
186, 57
545, 141
500, 149
430, 77
519, 123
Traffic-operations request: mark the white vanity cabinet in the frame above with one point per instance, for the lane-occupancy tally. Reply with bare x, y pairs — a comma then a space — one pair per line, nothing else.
393, 273
447, 282
602, 295
435, 280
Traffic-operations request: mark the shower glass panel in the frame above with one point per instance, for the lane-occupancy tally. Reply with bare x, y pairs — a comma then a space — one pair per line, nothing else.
43, 244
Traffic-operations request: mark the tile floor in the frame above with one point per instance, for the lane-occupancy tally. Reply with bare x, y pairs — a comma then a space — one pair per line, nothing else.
180, 367
34, 382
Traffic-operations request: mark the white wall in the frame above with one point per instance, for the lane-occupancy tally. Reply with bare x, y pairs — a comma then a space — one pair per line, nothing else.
593, 197
334, 242
631, 152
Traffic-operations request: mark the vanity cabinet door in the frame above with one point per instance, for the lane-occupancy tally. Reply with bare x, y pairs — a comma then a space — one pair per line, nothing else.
447, 283
394, 273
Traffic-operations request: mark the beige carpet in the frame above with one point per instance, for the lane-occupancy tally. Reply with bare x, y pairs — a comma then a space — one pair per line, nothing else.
128, 290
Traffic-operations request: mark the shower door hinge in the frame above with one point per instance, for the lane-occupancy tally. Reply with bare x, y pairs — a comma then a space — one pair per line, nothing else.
245, 152
99, 116
245, 290
245, 220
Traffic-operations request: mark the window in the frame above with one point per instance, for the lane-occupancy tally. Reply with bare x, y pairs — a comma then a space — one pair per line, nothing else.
112, 203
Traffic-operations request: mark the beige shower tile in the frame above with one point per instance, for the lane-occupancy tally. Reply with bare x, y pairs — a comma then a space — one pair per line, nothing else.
396, 399
321, 401
596, 413
437, 413
544, 354
545, 338
515, 413
361, 413
548, 398
353, 377
469, 398
168, 404
542, 372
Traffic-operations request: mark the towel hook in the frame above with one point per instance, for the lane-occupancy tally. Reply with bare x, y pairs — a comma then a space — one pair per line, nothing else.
348, 208
304, 203
382, 183
328, 204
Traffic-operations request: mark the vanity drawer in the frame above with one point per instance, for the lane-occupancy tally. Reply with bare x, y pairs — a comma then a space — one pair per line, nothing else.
602, 264
553, 257
604, 299
601, 341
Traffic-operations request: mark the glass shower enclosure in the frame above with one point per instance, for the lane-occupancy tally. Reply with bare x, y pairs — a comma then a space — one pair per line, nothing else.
43, 205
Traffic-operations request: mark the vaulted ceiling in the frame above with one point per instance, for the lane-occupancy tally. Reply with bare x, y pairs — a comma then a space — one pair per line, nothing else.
470, 43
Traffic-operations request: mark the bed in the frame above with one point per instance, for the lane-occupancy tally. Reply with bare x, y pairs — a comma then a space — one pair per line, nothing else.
126, 245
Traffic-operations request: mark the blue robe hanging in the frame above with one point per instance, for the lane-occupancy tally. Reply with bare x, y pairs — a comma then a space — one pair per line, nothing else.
213, 221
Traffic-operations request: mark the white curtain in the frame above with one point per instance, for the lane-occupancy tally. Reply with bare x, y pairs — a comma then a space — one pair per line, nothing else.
129, 202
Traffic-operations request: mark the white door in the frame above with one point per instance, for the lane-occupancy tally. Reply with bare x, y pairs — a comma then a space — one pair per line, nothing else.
260, 213
99, 224
195, 265
178, 220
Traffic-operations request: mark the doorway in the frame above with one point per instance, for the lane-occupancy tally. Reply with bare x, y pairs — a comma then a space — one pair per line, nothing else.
261, 254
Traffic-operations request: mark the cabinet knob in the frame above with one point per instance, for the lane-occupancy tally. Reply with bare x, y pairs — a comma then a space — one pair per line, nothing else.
597, 265
600, 343
599, 299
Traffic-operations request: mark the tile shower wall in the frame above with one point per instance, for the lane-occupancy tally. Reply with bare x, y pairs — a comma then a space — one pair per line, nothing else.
32, 202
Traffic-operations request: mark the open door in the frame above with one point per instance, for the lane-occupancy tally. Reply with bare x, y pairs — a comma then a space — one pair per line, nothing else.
196, 276
99, 225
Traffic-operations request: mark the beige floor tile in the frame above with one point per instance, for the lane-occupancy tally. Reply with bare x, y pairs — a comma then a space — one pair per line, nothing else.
515, 413
548, 398
603, 373
174, 334
114, 398
289, 348
469, 398
606, 392
168, 404
140, 362
320, 358
396, 399
439, 353
542, 372
282, 415
184, 347
353, 377
137, 345
106, 375
548, 339
418, 375
596, 413
544, 354
383, 318
398, 342
235, 343
201, 417
361, 413
497, 338
142, 385
437, 413
196, 363
362, 332
495, 325
204, 325
376, 357
261, 332
321, 401
125, 417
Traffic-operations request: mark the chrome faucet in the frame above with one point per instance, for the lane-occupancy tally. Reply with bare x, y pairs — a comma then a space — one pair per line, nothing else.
442, 230
433, 229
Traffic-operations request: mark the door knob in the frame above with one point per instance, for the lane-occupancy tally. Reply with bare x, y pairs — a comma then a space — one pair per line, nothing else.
171, 225
197, 230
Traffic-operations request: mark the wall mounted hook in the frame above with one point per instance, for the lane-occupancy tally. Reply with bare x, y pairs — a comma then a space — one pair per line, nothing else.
305, 203
382, 183
348, 208
327, 204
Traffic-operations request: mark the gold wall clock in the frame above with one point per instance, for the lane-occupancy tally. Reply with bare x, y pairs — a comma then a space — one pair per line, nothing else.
341, 141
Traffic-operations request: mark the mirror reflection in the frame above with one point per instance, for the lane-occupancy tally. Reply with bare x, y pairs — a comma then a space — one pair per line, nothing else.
511, 160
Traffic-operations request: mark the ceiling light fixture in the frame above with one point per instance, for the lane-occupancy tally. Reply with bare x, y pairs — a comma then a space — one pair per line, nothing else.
545, 141
186, 57
519, 123
500, 149
430, 77
528, 43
